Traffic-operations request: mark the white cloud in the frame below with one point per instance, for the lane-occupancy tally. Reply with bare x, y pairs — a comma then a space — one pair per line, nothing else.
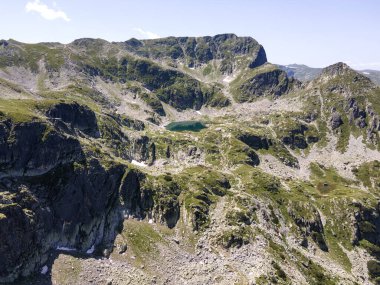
146, 34
45, 12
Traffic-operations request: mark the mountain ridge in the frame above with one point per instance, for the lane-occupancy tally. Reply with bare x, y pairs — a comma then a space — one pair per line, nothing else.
305, 73
279, 185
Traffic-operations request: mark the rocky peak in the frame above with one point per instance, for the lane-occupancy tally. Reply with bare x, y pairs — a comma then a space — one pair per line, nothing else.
346, 75
339, 68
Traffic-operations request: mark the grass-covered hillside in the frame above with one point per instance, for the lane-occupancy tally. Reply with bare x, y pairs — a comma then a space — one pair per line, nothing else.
184, 161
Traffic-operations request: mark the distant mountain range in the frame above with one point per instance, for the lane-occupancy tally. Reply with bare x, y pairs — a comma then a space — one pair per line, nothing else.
305, 73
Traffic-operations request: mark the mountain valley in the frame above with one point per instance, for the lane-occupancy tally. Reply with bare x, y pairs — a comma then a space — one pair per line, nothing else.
185, 160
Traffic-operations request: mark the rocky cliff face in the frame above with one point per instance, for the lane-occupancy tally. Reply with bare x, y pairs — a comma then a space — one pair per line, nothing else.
34, 148
64, 208
59, 192
279, 185
53, 194
195, 52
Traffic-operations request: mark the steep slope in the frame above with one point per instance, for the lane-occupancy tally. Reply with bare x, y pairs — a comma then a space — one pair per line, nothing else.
279, 185
350, 103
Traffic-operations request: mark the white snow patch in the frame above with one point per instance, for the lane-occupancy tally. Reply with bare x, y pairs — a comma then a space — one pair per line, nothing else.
141, 164
44, 270
198, 112
91, 250
366, 73
228, 79
62, 248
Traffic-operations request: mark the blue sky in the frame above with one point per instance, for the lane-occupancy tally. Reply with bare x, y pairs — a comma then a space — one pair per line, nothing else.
312, 32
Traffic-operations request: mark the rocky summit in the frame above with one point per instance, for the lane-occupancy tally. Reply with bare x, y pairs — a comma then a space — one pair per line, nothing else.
184, 161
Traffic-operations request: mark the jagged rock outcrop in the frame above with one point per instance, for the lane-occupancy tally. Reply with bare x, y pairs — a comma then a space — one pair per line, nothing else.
367, 224
336, 120
310, 224
76, 117
374, 126
136, 200
142, 149
167, 206
356, 115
